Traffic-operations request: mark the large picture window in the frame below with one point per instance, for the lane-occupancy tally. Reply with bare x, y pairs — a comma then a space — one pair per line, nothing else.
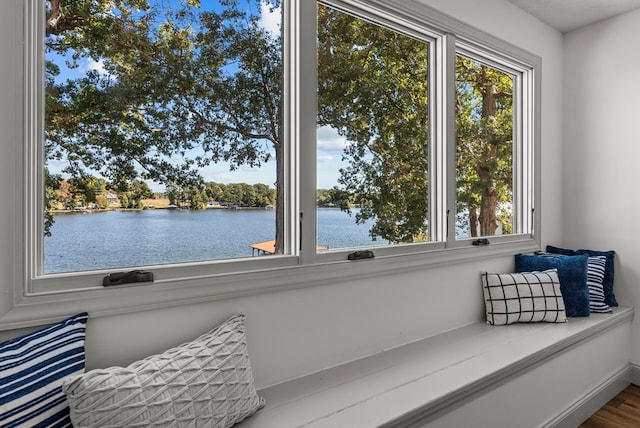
237, 146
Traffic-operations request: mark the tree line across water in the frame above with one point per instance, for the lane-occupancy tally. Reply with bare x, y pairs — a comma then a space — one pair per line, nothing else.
97, 193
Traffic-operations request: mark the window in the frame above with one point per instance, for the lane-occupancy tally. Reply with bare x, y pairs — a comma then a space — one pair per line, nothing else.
484, 149
162, 132
373, 100
493, 158
368, 113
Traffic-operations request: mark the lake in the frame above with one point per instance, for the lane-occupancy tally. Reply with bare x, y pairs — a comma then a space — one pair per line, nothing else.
117, 239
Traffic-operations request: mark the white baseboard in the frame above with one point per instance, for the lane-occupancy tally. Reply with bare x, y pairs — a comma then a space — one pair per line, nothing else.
590, 402
635, 374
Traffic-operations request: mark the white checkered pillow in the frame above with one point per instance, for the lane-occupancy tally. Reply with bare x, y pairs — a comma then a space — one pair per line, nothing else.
523, 297
204, 383
595, 278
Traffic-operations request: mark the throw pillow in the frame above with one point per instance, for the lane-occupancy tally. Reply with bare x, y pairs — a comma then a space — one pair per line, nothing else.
523, 297
607, 283
572, 271
595, 278
32, 368
206, 382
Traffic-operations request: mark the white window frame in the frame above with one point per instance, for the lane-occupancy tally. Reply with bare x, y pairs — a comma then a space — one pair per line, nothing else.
34, 299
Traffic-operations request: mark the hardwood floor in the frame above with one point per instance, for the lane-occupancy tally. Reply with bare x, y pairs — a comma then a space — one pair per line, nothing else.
623, 411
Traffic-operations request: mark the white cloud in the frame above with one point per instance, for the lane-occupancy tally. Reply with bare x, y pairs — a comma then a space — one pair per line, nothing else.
93, 65
330, 140
56, 166
270, 19
325, 158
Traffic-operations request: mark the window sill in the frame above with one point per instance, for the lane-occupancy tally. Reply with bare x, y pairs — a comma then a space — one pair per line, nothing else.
43, 308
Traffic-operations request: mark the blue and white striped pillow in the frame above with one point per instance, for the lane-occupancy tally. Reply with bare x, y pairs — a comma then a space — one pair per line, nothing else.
32, 368
595, 278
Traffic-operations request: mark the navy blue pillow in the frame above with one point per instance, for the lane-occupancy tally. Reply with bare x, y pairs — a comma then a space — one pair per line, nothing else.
572, 272
607, 284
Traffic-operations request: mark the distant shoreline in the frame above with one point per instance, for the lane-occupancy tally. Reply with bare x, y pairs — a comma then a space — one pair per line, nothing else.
148, 208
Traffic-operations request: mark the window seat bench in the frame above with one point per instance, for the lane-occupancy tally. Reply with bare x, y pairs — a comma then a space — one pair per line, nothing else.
418, 382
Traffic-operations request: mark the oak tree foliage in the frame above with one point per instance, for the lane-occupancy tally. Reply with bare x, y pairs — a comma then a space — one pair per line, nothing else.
372, 87
177, 86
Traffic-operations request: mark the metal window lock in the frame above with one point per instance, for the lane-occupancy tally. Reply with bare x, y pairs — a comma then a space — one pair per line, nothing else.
482, 241
118, 278
361, 255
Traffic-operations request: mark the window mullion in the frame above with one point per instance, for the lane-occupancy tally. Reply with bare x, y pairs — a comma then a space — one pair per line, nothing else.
303, 87
448, 107
519, 161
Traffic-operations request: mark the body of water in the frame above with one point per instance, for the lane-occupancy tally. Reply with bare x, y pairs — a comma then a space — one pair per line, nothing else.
117, 239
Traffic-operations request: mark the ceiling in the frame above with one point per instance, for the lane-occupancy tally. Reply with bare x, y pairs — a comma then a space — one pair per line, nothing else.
567, 15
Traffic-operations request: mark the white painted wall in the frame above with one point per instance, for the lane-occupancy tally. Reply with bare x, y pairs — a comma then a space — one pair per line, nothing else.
296, 332
602, 147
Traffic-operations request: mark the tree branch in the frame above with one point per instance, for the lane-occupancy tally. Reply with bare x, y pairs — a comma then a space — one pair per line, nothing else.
58, 22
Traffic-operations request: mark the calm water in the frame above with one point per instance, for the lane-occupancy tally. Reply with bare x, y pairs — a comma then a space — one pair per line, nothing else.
88, 241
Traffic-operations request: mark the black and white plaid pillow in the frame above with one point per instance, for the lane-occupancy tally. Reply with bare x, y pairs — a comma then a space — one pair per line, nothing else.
523, 297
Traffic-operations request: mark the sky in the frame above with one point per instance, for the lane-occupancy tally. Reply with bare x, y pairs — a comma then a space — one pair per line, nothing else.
329, 144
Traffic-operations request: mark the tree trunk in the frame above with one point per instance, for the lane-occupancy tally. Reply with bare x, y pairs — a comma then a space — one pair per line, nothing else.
488, 219
489, 198
473, 222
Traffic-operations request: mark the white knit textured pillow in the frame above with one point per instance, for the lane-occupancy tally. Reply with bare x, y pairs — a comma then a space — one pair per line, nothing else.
204, 383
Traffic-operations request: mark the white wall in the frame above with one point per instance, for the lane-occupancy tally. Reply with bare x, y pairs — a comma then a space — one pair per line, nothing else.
300, 331
602, 147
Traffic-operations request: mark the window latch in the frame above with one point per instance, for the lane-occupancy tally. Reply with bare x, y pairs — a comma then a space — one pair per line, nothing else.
118, 278
361, 255
482, 241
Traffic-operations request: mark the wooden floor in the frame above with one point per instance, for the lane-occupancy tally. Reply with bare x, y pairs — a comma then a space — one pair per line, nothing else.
623, 411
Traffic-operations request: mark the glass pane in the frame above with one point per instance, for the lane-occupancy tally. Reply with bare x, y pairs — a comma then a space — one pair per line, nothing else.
484, 150
372, 134
162, 132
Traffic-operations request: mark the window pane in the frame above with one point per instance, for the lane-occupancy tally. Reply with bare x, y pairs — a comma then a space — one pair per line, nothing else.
162, 132
484, 150
372, 133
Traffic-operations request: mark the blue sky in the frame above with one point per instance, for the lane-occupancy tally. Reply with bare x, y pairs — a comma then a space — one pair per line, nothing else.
329, 144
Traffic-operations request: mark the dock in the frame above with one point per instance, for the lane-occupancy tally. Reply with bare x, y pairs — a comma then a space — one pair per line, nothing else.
269, 247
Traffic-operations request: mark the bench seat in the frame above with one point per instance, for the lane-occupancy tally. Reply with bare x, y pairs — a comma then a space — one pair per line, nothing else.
421, 380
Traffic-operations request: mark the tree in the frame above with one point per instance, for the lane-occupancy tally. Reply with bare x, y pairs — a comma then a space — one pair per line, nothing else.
173, 77
214, 191
233, 193
484, 147
264, 195
332, 198
174, 194
90, 187
140, 190
102, 202
372, 88
53, 187
196, 198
